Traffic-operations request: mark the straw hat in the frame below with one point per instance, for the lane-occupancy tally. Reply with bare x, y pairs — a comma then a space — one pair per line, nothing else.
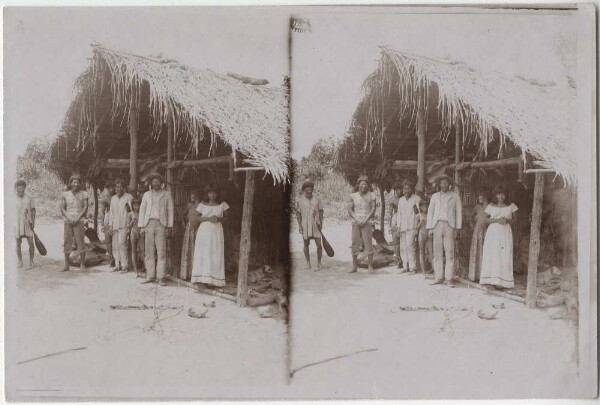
444, 177
75, 176
155, 176
308, 184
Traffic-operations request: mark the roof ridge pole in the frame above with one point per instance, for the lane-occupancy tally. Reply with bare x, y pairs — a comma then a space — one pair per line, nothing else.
420, 142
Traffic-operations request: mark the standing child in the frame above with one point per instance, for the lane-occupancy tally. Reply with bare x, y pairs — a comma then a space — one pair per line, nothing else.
479, 224
425, 242
136, 238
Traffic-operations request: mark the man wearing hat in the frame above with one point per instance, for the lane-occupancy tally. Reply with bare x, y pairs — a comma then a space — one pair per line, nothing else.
24, 222
73, 210
406, 223
309, 214
444, 220
120, 206
361, 208
155, 222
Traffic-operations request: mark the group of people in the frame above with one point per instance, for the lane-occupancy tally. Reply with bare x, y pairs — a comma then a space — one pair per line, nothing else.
141, 225
424, 231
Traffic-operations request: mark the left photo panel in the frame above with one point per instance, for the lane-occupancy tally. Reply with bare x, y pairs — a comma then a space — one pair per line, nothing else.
146, 176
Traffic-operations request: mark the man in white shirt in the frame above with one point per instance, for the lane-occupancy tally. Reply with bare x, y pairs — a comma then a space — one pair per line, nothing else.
406, 221
120, 205
444, 220
156, 223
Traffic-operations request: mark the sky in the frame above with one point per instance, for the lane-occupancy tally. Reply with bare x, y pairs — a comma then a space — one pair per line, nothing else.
330, 63
45, 49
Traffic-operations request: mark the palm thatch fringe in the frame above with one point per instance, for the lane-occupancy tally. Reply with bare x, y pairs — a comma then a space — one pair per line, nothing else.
201, 103
539, 119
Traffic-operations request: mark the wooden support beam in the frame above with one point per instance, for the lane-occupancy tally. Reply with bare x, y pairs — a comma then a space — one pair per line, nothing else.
133, 147
199, 288
534, 239
457, 158
540, 171
382, 217
219, 160
521, 170
95, 207
249, 169
170, 142
421, 145
245, 240
413, 164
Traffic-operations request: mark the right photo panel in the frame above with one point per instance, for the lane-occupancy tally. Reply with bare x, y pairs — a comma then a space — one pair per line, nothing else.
441, 188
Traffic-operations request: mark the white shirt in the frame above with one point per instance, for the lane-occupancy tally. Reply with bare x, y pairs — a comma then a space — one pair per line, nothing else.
408, 209
154, 211
444, 198
118, 211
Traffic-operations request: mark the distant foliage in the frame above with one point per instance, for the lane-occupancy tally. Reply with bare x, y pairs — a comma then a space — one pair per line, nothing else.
330, 184
42, 183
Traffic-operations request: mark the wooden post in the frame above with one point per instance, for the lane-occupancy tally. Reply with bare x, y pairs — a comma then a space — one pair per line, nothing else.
382, 218
95, 208
457, 157
170, 141
133, 148
421, 146
521, 170
534, 239
242, 289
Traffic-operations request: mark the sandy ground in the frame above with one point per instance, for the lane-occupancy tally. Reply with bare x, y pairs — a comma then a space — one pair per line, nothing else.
231, 353
417, 354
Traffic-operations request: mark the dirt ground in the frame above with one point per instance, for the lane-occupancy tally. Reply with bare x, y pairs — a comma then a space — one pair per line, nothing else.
142, 353
448, 353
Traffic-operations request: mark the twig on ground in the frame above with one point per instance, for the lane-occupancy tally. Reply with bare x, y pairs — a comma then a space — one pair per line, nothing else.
143, 307
330, 359
52, 354
434, 308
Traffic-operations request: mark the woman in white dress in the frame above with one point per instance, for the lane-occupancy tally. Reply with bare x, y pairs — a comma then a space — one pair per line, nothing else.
497, 259
209, 248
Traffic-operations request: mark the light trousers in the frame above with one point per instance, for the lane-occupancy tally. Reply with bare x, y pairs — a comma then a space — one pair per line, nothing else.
119, 247
155, 245
443, 244
408, 249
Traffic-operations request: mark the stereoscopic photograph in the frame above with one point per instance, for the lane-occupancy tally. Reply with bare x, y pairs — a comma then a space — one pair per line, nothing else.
316, 203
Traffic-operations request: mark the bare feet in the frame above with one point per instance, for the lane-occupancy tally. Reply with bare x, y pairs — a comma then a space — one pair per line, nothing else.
307, 267
66, 268
353, 270
450, 283
319, 267
30, 266
148, 281
20, 264
436, 282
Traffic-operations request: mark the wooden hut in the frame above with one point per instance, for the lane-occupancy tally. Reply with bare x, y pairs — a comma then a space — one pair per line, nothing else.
134, 115
421, 117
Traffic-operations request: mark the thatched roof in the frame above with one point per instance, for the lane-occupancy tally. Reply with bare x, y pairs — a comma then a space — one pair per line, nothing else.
209, 110
481, 106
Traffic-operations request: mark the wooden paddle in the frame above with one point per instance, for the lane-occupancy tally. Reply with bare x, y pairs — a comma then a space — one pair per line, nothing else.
39, 245
328, 249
